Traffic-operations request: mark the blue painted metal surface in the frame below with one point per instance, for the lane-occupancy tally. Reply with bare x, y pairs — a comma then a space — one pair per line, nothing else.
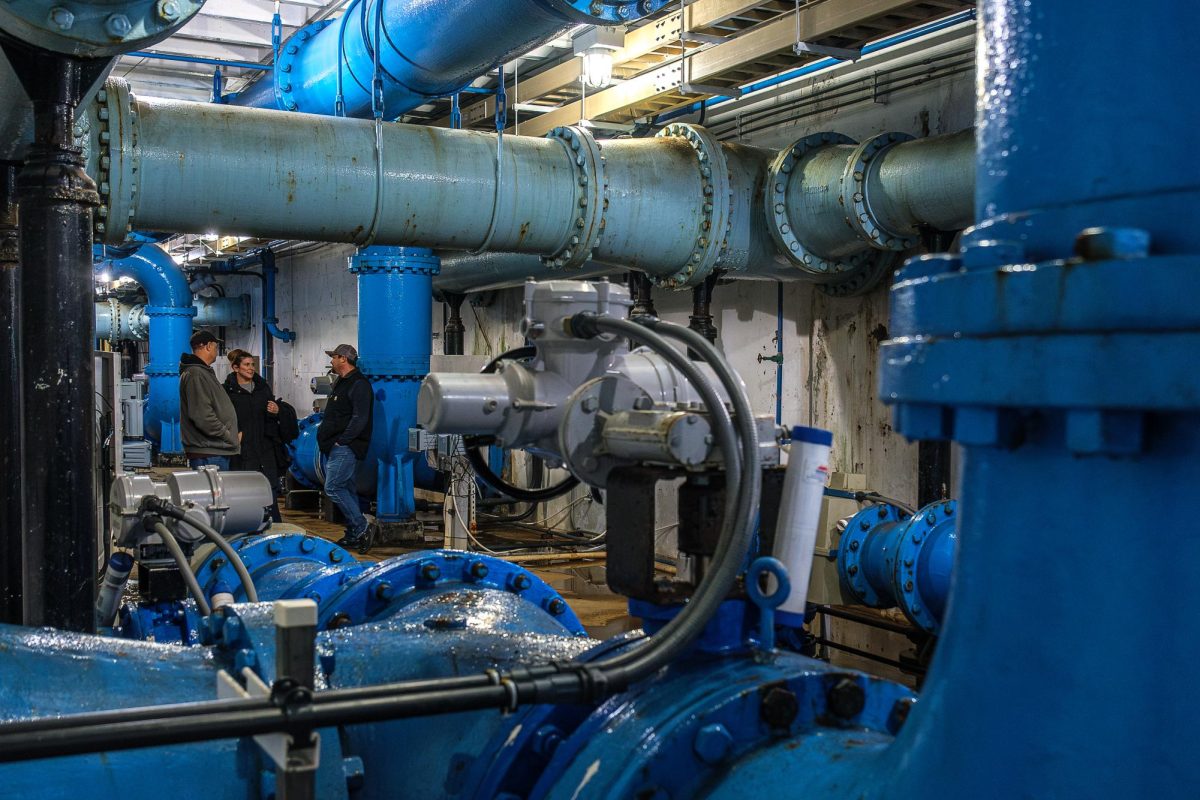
308, 465
430, 49
1078, 407
170, 311
887, 558
270, 321
287, 566
394, 327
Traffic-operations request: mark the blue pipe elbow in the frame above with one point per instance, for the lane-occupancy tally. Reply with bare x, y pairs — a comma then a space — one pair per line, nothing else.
431, 49
170, 311
887, 558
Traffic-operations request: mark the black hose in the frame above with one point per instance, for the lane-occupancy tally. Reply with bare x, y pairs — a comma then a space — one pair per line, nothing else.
550, 683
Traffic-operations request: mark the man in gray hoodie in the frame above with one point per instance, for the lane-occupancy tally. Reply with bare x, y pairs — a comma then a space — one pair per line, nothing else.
208, 421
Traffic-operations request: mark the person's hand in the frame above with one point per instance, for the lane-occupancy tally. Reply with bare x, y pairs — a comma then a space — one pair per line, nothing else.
240, 435
272, 407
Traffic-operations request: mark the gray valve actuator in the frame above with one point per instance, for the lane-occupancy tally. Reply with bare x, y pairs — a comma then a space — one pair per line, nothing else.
589, 405
231, 502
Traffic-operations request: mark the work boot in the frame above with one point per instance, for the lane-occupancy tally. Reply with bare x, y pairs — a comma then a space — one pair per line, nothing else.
368, 538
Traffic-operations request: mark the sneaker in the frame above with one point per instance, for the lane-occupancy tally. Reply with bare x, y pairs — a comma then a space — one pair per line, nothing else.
350, 539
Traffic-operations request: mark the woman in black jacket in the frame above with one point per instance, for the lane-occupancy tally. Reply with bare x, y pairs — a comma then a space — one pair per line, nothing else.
258, 421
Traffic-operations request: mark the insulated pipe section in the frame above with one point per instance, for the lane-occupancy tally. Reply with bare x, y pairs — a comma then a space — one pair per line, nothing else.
676, 207
887, 558
430, 49
117, 321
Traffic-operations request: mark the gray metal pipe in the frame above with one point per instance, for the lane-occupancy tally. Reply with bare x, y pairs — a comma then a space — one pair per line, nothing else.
118, 321
677, 206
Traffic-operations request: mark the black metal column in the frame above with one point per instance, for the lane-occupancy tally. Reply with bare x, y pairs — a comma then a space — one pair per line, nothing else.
10, 400
454, 332
701, 319
642, 294
57, 199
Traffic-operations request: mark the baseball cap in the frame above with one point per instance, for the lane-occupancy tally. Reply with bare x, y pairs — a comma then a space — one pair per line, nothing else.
346, 350
202, 338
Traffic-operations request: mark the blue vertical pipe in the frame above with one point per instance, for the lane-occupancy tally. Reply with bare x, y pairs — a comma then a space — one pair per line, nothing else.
430, 49
1078, 408
170, 311
395, 287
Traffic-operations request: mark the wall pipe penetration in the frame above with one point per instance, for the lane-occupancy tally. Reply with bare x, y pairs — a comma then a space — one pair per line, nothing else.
430, 49
170, 313
676, 206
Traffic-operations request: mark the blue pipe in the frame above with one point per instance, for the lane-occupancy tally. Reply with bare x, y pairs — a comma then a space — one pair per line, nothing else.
170, 311
395, 287
817, 66
270, 321
887, 558
430, 49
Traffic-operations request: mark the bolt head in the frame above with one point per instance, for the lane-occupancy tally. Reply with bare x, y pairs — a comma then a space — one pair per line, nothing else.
846, 699
168, 10
430, 572
479, 570
521, 582
61, 18
556, 606
712, 743
779, 707
118, 26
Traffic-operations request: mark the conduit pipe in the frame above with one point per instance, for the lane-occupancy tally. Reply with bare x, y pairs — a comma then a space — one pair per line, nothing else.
170, 313
430, 49
676, 206
117, 321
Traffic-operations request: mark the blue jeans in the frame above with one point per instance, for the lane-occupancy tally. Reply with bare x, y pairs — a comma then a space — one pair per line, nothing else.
220, 462
340, 470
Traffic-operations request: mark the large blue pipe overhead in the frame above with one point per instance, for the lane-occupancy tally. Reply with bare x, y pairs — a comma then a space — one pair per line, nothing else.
170, 312
418, 50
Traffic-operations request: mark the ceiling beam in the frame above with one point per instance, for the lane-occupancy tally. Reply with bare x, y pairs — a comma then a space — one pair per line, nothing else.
638, 44
816, 21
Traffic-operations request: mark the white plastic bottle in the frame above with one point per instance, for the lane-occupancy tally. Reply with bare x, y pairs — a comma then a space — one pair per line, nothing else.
799, 512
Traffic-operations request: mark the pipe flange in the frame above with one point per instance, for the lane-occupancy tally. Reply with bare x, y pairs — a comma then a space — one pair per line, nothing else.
95, 30
171, 311
779, 223
116, 159
287, 59
614, 12
138, 323
591, 198
114, 321
713, 235
868, 269
906, 584
853, 546
384, 260
856, 196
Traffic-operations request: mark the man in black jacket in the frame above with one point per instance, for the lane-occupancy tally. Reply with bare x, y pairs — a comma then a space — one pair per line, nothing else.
344, 436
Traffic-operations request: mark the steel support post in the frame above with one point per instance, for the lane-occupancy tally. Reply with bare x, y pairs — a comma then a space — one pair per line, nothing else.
10, 403
57, 199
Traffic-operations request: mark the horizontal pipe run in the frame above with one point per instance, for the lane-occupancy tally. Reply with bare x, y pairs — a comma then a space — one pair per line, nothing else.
676, 206
117, 321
